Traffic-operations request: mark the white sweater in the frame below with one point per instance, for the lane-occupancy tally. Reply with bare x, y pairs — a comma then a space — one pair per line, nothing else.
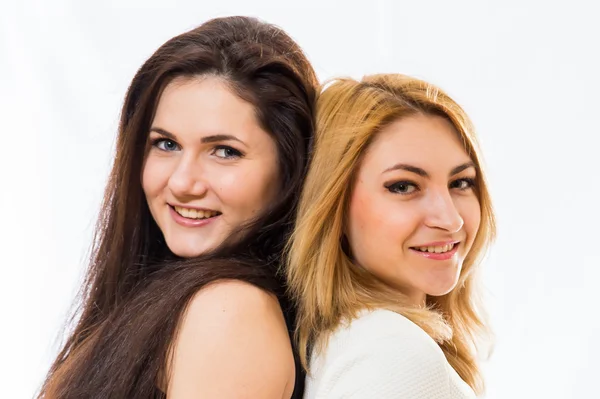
382, 354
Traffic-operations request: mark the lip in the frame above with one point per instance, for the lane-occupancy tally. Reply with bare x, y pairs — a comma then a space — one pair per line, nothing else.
185, 222
437, 244
190, 207
436, 256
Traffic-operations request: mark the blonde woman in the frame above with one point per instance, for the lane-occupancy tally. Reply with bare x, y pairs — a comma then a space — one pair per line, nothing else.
394, 219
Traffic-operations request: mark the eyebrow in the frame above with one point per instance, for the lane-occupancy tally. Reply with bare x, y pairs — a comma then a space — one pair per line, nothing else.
205, 140
421, 172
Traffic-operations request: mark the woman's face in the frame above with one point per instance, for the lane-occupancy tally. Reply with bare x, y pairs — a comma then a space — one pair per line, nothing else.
414, 213
210, 167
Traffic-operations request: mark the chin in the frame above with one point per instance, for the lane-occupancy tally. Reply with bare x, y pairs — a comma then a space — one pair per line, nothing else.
440, 292
187, 251
441, 288
442, 282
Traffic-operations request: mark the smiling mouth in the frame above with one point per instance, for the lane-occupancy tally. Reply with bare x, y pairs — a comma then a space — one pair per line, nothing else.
440, 249
195, 214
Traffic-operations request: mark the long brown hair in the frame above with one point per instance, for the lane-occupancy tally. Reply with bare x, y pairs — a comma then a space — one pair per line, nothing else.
136, 290
327, 285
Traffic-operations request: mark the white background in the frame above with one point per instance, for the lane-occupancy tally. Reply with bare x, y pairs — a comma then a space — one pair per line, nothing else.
526, 71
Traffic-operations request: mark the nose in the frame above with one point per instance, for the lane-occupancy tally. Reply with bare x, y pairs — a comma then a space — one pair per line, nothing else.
187, 179
442, 213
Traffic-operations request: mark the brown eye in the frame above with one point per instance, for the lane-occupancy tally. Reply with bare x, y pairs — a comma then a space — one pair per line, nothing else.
463, 184
402, 187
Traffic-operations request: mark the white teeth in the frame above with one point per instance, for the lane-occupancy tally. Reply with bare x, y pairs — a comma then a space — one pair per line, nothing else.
194, 213
437, 249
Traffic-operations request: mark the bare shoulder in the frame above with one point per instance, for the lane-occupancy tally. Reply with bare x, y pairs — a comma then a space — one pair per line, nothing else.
233, 301
232, 342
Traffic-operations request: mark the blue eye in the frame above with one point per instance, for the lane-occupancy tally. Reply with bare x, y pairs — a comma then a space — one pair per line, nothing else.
402, 187
166, 145
463, 184
226, 152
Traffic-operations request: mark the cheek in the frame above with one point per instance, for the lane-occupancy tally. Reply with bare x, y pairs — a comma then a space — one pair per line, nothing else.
361, 213
404, 219
470, 211
370, 226
246, 190
383, 219
151, 177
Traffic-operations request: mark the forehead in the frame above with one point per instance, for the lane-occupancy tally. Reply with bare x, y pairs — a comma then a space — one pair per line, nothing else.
204, 105
427, 141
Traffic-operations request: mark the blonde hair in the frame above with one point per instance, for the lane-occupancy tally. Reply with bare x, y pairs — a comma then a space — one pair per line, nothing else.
324, 282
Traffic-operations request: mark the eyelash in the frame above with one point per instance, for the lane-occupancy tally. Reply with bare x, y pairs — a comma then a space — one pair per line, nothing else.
157, 141
471, 183
393, 187
236, 153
